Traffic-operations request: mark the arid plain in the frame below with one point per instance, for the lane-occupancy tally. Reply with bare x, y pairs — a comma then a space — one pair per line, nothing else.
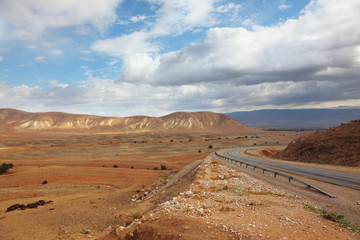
91, 177
74, 177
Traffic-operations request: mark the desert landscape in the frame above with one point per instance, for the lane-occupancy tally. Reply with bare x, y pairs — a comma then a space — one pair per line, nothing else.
190, 119
96, 180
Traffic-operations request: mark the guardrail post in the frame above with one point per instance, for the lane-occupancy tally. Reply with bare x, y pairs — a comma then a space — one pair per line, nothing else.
290, 178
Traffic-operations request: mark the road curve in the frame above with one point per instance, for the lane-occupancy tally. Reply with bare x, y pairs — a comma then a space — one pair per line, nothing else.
334, 177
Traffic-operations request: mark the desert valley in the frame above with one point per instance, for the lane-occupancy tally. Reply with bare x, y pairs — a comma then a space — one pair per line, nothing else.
92, 177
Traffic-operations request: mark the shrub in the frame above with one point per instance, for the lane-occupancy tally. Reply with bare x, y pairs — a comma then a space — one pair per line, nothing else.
5, 166
116, 166
45, 182
199, 151
210, 146
132, 167
156, 168
163, 167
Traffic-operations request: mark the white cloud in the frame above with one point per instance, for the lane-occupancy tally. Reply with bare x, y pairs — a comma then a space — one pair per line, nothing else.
56, 83
57, 52
28, 20
228, 7
1, 58
309, 61
299, 61
96, 95
283, 7
39, 59
138, 18
134, 43
112, 63
294, 50
173, 18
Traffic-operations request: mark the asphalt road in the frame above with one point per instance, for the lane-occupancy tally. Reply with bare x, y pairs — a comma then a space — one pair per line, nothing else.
335, 177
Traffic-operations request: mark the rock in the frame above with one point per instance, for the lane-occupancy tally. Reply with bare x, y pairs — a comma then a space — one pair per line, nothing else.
188, 193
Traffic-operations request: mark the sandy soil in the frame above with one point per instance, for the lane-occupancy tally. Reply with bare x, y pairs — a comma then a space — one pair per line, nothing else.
222, 203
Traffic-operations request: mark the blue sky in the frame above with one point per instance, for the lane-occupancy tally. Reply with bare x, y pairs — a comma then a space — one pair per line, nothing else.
153, 57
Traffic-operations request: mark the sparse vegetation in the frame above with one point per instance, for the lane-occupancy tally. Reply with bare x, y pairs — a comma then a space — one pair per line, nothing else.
156, 168
45, 182
334, 217
132, 167
199, 151
5, 166
116, 166
163, 167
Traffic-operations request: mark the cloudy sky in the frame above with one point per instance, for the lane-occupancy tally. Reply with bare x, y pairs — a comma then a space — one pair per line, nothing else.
153, 57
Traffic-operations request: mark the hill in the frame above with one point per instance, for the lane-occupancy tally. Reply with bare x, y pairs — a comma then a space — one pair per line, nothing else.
179, 122
296, 118
337, 145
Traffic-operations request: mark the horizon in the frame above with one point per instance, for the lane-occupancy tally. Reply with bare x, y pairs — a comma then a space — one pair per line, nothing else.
169, 113
156, 57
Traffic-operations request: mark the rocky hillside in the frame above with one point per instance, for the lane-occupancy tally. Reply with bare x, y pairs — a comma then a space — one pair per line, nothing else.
15, 120
337, 145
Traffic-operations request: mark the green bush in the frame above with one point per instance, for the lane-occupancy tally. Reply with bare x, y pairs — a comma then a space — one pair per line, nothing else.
45, 182
5, 166
163, 167
156, 168
116, 166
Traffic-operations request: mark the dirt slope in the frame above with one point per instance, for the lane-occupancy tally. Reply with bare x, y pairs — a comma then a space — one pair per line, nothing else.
222, 203
15, 120
338, 145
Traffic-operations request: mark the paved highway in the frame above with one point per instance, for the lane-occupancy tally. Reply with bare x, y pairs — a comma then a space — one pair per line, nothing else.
335, 177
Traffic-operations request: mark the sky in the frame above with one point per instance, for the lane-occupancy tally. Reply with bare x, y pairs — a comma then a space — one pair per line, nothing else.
154, 57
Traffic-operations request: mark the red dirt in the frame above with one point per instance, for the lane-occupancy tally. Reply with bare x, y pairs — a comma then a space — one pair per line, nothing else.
266, 152
339, 145
222, 203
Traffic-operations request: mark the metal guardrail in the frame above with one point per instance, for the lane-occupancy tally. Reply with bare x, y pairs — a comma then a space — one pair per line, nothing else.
308, 186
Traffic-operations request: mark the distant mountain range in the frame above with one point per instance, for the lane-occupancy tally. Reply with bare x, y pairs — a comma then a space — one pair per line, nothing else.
297, 118
178, 122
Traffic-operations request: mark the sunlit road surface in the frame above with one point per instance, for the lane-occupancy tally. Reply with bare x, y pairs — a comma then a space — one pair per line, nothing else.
339, 178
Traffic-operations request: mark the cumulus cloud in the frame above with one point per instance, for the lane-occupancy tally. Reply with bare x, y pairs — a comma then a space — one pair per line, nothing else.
174, 17
29, 19
1, 58
125, 45
311, 61
39, 59
296, 50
